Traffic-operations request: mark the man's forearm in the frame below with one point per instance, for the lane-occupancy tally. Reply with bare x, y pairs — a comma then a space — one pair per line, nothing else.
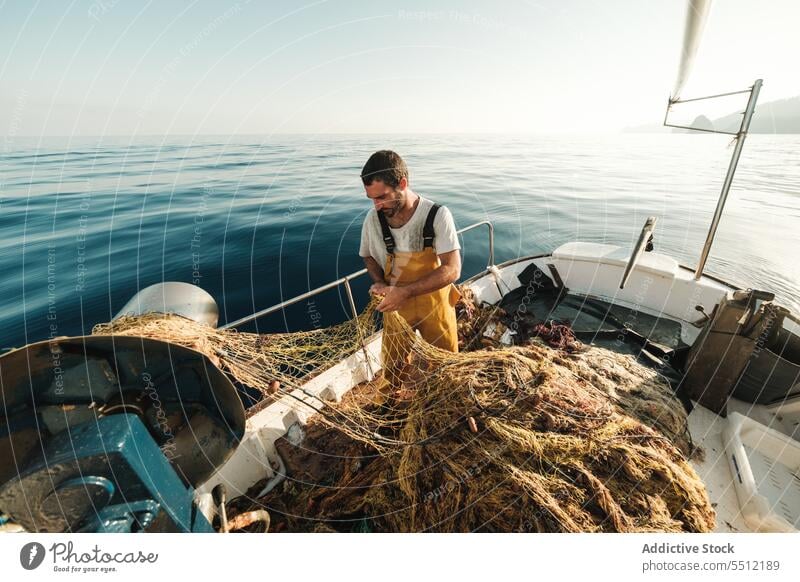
374, 270
436, 279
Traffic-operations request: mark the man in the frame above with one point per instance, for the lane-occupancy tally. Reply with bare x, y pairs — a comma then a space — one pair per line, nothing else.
411, 250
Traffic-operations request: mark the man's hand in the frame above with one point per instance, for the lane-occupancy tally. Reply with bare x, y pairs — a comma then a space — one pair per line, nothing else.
378, 289
393, 299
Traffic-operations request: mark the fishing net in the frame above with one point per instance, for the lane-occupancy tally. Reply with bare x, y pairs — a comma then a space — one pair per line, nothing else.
545, 436
269, 363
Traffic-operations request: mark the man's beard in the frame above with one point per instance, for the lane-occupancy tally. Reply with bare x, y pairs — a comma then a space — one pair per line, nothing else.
390, 212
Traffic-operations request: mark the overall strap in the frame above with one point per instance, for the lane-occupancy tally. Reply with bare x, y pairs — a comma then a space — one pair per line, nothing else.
427, 231
388, 239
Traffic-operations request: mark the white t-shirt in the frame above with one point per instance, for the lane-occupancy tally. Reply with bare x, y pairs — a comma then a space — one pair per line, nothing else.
408, 238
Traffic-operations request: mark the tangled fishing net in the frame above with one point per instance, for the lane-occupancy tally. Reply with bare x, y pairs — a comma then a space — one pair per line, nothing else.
520, 438
269, 363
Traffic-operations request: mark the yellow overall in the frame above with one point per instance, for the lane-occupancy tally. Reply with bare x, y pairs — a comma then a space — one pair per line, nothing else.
433, 314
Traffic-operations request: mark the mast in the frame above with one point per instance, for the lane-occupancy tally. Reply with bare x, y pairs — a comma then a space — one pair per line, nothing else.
726, 185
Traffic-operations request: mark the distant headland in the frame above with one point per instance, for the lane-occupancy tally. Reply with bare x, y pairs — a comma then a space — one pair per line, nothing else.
782, 116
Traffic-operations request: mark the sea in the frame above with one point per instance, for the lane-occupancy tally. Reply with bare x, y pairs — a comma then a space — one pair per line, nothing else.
86, 222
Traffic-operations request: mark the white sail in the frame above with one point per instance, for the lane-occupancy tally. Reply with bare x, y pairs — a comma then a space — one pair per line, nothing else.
696, 16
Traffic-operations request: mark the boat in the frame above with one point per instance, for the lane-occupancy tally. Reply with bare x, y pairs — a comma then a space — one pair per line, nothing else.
735, 351
748, 430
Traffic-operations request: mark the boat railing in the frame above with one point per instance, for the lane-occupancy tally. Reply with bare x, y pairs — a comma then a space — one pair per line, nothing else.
346, 282
740, 135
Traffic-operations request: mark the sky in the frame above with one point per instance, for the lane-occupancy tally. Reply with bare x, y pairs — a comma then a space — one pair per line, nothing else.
124, 67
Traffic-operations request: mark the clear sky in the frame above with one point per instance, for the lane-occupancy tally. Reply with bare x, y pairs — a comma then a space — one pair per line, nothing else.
129, 67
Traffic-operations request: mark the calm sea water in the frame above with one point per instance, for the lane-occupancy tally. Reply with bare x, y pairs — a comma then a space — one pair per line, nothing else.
85, 223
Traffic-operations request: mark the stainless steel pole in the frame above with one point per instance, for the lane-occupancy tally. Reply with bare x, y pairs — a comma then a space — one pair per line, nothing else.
358, 329
726, 185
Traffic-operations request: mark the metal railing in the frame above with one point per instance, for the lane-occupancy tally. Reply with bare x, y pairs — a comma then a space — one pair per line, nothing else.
741, 134
346, 282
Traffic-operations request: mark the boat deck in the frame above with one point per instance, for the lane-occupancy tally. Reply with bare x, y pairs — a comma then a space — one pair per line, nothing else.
600, 323
706, 430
